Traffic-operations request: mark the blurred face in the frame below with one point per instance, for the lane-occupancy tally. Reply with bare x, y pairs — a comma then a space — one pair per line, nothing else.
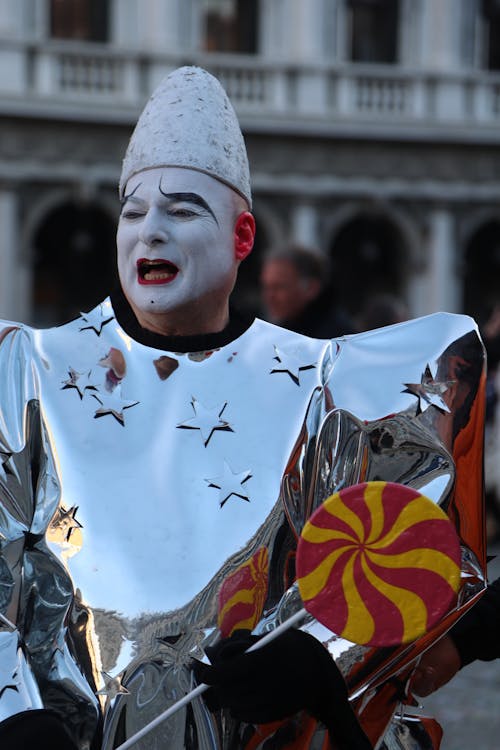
176, 256
284, 292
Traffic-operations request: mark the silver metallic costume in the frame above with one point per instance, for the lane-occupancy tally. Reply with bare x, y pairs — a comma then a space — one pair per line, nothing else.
150, 501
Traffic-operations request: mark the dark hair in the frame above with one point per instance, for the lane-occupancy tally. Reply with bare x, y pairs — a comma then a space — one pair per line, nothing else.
309, 262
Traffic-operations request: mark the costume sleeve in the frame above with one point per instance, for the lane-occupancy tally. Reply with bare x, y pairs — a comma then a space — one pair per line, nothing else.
18, 684
402, 405
36, 593
476, 635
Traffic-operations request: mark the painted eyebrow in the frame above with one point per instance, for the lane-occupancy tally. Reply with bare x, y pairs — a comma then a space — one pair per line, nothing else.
125, 198
194, 198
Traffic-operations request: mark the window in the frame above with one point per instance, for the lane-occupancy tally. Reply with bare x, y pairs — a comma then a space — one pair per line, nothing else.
491, 14
373, 30
79, 19
230, 25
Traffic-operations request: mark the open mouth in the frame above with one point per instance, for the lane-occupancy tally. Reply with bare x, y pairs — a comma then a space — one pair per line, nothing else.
156, 271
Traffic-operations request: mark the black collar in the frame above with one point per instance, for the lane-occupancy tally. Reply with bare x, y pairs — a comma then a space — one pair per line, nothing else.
237, 325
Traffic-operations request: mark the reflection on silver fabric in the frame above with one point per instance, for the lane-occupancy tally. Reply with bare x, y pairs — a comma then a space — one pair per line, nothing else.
411, 733
149, 503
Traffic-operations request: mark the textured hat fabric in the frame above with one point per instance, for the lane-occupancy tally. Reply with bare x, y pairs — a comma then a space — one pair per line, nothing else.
190, 122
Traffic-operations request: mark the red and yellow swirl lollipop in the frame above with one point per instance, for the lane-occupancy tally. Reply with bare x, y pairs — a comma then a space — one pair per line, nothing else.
379, 564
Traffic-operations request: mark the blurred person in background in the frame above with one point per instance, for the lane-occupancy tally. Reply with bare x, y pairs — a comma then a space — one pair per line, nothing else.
472, 638
297, 293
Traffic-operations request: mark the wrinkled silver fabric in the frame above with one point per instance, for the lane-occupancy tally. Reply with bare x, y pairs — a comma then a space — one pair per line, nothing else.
135, 483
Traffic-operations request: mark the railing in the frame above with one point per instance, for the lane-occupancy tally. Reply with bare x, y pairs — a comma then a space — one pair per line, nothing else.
104, 80
377, 94
87, 74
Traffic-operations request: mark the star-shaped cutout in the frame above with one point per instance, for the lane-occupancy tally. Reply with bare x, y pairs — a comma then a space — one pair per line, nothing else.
80, 381
113, 403
290, 363
206, 420
64, 523
95, 320
113, 686
429, 392
230, 483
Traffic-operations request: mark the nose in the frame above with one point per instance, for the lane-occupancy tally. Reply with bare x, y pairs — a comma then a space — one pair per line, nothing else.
153, 230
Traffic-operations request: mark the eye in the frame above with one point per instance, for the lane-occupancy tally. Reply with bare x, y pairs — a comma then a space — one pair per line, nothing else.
131, 215
182, 213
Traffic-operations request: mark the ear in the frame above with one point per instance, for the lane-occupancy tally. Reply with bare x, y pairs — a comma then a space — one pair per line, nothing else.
244, 235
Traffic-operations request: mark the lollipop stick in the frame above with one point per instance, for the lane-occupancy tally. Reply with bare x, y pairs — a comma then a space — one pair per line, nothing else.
294, 619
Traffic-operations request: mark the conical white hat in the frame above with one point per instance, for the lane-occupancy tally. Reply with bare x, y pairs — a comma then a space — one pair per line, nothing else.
190, 122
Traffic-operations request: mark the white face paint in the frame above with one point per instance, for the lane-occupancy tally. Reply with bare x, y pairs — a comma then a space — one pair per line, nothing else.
175, 246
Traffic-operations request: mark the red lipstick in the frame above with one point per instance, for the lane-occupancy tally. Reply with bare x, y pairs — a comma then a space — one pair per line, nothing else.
158, 271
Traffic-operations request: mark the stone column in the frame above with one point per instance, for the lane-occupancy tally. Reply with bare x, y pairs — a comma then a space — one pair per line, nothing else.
442, 289
11, 19
148, 24
439, 39
124, 23
440, 51
292, 25
309, 19
14, 273
305, 225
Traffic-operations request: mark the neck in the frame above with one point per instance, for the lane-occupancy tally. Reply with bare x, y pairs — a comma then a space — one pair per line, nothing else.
180, 322
127, 319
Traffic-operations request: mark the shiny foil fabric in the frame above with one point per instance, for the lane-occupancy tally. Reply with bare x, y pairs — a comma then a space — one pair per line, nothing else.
150, 502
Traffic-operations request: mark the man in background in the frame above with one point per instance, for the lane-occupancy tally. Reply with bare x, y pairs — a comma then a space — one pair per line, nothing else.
298, 295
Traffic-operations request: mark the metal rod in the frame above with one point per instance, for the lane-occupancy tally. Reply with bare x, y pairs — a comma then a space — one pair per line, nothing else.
201, 688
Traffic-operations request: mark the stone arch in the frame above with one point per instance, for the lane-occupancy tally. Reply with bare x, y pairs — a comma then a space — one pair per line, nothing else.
373, 249
70, 239
481, 265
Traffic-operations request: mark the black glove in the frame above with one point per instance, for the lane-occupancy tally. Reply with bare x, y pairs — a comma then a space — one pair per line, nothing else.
34, 730
292, 673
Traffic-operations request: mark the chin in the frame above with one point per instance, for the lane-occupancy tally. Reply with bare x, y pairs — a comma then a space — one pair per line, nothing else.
147, 303
154, 307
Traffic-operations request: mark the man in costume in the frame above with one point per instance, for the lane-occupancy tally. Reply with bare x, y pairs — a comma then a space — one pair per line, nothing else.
160, 454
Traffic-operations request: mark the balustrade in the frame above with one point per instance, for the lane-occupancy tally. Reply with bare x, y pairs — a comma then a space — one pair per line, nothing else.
110, 77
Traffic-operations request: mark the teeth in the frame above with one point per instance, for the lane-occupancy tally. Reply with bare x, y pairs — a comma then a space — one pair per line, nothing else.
154, 275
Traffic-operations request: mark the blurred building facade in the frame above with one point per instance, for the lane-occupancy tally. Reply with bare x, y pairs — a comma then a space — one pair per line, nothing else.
372, 129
